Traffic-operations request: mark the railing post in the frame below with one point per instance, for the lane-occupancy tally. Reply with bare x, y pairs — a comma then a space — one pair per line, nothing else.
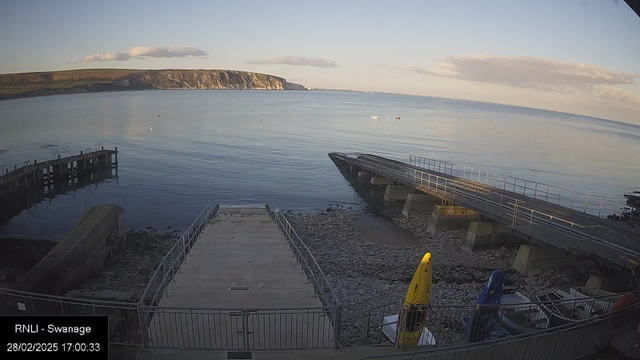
245, 329
143, 326
559, 195
530, 222
546, 198
184, 247
337, 324
535, 191
173, 274
600, 209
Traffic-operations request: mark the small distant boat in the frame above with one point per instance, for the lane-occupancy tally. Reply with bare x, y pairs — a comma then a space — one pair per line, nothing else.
519, 315
397, 117
558, 305
375, 117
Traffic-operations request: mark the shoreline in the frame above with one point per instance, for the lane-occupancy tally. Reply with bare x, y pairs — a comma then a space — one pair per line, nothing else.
366, 273
123, 277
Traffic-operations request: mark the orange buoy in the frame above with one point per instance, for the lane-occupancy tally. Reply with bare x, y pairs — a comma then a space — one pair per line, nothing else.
397, 117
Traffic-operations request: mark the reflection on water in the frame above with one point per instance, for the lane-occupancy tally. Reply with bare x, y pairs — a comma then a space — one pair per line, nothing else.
29, 199
258, 146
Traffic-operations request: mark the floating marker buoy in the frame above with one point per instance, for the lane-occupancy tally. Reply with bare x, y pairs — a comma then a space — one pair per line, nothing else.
397, 117
158, 115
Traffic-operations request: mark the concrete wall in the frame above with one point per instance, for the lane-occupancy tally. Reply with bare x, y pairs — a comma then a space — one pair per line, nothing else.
82, 252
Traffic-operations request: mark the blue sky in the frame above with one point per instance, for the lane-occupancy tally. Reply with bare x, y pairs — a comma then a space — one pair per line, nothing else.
572, 55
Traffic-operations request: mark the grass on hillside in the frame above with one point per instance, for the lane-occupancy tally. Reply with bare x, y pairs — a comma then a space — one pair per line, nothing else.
15, 84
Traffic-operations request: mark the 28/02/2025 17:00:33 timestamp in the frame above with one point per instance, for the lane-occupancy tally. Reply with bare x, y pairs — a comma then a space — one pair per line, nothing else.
31, 337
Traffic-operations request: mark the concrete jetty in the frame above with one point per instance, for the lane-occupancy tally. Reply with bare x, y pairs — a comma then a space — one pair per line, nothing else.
242, 262
531, 211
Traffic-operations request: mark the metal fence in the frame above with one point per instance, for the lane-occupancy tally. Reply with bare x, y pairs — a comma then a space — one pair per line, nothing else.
462, 324
570, 341
124, 321
613, 246
172, 262
587, 203
151, 326
241, 329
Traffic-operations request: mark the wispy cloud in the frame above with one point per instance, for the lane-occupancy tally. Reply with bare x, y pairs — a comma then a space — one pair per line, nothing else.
147, 51
296, 61
535, 73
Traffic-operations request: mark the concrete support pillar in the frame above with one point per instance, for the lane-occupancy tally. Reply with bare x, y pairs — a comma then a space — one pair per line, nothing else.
445, 218
419, 204
364, 176
380, 181
485, 235
397, 192
57, 170
532, 257
606, 283
26, 177
35, 171
64, 171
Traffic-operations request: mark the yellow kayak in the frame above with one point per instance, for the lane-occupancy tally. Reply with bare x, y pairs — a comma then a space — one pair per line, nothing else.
416, 304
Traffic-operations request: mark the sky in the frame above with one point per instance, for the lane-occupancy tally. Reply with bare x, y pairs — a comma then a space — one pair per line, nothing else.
577, 56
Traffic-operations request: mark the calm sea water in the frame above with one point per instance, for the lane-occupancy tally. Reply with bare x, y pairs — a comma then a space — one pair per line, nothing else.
271, 147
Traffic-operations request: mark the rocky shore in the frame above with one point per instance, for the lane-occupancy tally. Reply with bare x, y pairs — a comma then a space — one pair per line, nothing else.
367, 275
127, 273
122, 278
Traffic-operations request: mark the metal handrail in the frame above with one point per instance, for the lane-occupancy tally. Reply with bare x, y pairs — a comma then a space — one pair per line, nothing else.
66, 299
310, 267
483, 176
307, 260
172, 261
596, 305
538, 215
490, 344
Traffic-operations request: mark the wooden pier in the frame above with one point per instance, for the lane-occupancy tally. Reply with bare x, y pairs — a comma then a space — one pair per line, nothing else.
13, 183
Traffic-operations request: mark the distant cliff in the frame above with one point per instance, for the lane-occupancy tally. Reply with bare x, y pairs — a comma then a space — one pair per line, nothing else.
20, 85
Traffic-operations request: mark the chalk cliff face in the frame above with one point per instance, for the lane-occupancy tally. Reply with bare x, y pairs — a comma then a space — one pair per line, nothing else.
93, 80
